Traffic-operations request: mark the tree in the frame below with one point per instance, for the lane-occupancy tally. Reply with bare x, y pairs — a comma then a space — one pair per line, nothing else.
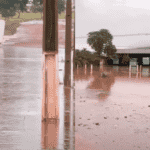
101, 42
83, 57
78, 58
8, 8
61, 5
8, 13
37, 7
125, 58
110, 50
21, 7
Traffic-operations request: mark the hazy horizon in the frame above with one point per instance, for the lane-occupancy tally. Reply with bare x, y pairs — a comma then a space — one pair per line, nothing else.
120, 17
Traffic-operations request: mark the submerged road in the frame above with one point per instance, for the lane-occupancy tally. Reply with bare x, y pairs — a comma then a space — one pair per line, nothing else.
113, 112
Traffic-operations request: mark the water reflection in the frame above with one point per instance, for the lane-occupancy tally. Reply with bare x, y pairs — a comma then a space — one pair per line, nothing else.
116, 68
124, 110
69, 122
96, 82
81, 74
102, 83
139, 71
50, 133
145, 72
60, 134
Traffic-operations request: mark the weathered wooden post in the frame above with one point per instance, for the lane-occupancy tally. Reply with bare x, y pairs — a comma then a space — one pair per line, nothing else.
50, 134
137, 68
85, 66
129, 74
137, 73
129, 68
140, 71
91, 68
101, 64
50, 60
85, 69
67, 81
129, 71
140, 68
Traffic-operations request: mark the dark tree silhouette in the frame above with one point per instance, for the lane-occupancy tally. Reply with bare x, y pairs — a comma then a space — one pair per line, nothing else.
61, 4
8, 8
101, 42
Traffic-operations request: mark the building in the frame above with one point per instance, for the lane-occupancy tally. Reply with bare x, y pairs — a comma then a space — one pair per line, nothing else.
138, 56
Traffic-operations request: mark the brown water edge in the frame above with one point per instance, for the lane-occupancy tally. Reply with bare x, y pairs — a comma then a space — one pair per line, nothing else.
119, 120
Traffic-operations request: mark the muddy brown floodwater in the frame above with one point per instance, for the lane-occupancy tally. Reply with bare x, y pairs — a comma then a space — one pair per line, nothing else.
112, 113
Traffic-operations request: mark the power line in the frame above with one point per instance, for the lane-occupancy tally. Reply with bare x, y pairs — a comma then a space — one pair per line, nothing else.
139, 34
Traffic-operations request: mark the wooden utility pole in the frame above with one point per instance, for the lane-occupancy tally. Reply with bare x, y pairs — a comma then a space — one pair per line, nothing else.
68, 91
50, 60
67, 81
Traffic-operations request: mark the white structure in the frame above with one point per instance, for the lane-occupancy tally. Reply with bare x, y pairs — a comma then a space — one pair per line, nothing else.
2, 29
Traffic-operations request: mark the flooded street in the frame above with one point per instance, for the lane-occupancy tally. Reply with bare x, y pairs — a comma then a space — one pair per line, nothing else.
113, 112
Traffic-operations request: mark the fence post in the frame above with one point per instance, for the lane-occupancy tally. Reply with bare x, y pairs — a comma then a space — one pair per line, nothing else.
91, 68
85, 66
129, 68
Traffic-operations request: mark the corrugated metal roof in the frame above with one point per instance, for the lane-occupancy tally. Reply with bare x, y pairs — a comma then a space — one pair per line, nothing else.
134, 51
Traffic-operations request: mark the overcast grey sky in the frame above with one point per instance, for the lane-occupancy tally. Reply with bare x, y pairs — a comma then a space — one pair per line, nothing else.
118, 16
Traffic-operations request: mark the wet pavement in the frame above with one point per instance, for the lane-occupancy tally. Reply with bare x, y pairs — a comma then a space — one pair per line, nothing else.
20, 98
113, 112
21, 127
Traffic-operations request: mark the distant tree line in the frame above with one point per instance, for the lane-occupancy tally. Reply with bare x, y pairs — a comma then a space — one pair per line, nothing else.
84, 56
38, 6
9, 8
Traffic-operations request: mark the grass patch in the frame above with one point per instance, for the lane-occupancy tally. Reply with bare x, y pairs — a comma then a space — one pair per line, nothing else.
11, 27
13, 23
